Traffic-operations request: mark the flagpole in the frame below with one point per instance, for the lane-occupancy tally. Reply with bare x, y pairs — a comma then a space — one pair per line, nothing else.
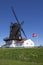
35, 35
37, 40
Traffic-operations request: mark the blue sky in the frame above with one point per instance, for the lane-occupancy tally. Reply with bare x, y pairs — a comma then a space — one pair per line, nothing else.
29, 11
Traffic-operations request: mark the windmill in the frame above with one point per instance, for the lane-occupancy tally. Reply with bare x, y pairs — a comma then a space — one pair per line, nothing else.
15, 29
15, 37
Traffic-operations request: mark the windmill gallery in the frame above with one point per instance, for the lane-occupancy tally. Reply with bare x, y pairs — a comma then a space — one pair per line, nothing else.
15, 38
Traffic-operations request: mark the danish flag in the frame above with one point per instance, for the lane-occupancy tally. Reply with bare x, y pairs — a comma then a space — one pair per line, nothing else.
34, 35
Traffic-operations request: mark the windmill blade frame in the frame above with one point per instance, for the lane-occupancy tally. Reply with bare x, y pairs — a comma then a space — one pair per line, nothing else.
18, 23
23, 33
15, 15
22, 23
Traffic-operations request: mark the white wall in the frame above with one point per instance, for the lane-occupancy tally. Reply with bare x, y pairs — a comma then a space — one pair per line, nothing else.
13, 43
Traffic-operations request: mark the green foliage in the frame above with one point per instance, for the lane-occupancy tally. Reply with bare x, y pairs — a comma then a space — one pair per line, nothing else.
21, 56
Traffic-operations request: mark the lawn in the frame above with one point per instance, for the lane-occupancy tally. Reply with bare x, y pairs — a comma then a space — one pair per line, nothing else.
21, 56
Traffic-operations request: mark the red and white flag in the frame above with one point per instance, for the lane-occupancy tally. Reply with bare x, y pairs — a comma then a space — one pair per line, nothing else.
34, 35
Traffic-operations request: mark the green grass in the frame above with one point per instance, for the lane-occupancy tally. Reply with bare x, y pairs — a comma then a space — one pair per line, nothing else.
21, 56
13, 62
